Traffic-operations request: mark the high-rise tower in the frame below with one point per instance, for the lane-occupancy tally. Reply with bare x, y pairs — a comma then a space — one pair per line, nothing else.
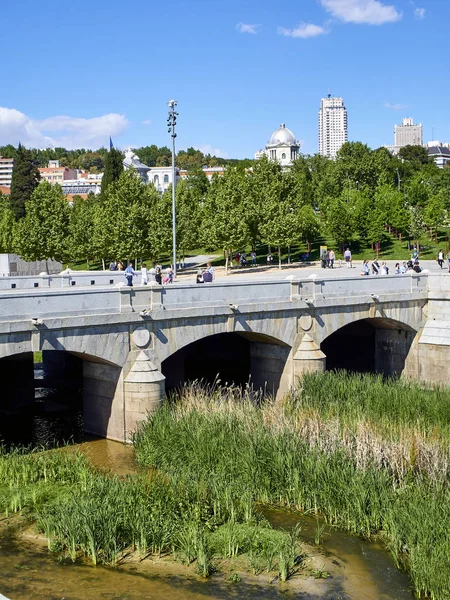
407, 134
333, 131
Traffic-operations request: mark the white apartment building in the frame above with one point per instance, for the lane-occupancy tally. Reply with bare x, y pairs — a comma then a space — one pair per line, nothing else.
333, 128
6, 169
407, 134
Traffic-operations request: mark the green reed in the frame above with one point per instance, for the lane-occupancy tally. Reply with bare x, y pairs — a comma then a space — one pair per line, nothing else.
369, 456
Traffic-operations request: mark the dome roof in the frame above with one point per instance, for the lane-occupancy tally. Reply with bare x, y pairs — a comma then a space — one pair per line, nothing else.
283, 136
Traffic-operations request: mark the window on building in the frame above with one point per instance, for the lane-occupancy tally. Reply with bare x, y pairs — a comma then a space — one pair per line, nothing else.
166, 179
283, 156
156, 180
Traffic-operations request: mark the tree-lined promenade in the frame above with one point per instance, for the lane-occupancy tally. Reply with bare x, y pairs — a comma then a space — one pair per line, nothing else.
366, 197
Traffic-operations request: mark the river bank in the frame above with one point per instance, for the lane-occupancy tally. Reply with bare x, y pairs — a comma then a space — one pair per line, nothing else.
354, 453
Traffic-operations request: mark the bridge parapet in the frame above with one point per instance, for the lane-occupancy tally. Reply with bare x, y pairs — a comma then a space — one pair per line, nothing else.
313, 289
62, 280
23, 304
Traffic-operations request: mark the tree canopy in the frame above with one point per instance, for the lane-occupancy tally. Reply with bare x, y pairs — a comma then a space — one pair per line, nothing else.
25, 179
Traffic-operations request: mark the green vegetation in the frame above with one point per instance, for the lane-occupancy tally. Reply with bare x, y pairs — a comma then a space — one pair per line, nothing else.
366, 455
83, 512
113, 168
25, 179
368, 199
370, 456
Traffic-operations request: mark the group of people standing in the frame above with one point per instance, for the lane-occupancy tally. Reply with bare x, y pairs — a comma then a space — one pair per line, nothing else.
242, 259
440, 259
146, 275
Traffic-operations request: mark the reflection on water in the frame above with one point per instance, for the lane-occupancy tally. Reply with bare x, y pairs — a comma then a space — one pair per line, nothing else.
368, 570
109, 455
46, 411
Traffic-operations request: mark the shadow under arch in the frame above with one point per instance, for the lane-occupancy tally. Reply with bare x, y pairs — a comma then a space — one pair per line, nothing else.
371, 345
57, 400
234, 358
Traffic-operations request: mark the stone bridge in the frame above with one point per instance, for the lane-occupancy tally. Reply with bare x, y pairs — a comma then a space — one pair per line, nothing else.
136, 343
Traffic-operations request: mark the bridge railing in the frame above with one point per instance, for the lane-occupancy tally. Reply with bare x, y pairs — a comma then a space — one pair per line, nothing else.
234, 293
62, 280
359, 286
27, 304
75, 301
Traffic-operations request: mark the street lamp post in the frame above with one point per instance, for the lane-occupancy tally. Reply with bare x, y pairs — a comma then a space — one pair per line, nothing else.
171, 122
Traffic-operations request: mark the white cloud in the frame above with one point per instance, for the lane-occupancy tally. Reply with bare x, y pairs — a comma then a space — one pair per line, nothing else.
304, 30
68, 132
208, 149
395, 106
419, 13
147, 122
371, 12
247, 28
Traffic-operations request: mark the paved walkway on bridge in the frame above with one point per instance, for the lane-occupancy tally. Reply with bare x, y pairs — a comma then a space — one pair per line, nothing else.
264, 273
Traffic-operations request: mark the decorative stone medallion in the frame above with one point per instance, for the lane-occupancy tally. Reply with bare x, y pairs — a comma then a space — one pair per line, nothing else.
306, 322
141, 337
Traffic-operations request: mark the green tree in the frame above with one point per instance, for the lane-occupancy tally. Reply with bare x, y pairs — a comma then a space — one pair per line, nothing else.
7, 226
124, 219
435, 213
415, 227
224, 213
43, 232
187, 212
340, 219
80, 241
280, 218
113, 168
25, 179
414, 154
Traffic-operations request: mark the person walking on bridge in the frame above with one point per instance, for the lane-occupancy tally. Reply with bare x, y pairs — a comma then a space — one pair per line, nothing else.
331, 259
348, 258
129, 274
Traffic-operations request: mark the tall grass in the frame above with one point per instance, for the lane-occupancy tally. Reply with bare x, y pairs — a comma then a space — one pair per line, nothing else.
369, 456
84, 512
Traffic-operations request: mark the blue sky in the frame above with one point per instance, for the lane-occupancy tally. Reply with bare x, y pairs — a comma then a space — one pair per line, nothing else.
75, 73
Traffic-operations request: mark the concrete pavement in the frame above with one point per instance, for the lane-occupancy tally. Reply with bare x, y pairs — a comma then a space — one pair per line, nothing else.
302, 271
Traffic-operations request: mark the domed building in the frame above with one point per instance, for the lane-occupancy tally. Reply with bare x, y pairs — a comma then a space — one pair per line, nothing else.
282, 147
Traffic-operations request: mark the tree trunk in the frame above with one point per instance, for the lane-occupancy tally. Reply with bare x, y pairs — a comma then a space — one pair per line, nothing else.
87, 263
226, 262
309, 246
103, 264
289, 255
279, 257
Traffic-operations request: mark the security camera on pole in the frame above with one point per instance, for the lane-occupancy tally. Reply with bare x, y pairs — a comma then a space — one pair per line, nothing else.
171, 122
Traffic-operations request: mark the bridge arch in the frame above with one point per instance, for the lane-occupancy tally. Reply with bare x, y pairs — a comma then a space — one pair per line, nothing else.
370, 345
67, 393
236, 358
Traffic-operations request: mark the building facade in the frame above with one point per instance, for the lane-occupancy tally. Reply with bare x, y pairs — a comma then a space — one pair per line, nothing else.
6, 170
333, 126
282, 147
131, 161
54, 173
161, 177
407, 134
440, 153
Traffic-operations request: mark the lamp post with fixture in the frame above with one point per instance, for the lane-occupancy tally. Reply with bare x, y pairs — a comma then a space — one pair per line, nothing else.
171, 122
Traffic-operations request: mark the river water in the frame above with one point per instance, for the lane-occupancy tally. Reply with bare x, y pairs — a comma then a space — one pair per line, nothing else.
360, 570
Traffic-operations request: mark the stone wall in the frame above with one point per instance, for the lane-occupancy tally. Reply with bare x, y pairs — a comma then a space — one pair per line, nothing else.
392, 347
